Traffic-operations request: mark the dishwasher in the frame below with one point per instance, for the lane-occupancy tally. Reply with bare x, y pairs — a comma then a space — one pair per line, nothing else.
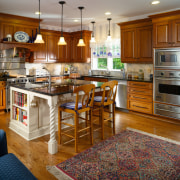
121, 96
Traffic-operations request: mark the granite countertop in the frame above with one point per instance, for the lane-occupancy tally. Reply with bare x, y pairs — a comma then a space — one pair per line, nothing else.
57, 87
118, 78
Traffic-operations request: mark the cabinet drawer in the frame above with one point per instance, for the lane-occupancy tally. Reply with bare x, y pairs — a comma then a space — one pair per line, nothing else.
142, 85
140, 91
2, 83
139, 97
140, 106
95, 79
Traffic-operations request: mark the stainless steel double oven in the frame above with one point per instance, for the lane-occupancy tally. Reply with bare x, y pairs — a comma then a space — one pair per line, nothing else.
167, 82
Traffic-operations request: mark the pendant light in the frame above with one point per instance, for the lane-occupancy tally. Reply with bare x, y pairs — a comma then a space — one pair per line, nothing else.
39, 38
109, 33
61, 39
93, 38
81, 41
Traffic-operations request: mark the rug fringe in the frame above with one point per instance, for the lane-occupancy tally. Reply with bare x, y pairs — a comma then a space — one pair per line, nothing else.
58, 173
155, 136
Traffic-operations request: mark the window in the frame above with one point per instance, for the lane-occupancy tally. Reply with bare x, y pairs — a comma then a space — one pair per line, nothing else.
102, 63
106, 56
117, 64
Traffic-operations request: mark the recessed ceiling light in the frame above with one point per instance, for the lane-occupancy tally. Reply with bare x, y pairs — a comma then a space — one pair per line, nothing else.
76, 20
155, 2
37, 12
108, 13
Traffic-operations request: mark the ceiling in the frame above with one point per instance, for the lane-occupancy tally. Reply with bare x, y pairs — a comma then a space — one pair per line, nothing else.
94, 10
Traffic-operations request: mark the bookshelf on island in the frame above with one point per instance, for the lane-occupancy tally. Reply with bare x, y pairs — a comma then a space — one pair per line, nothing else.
29, 115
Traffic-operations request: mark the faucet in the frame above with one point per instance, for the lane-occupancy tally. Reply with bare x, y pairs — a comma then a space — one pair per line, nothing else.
49, 76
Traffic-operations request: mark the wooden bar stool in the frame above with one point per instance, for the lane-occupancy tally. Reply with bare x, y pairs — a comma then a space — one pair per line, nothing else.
109, 90
83, 104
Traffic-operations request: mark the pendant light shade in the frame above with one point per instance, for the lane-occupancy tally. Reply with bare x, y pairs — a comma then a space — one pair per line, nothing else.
61, 39
92, 37
81, 41
39, 38
109, 33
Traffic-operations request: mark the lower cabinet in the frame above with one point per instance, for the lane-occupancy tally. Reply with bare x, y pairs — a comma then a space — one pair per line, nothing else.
95, 79
140, 97
2, 95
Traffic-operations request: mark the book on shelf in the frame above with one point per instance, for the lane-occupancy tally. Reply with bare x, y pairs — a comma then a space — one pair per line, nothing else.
20, 99
20, 115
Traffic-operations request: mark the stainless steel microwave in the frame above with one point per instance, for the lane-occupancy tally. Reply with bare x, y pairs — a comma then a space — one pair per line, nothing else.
168, 58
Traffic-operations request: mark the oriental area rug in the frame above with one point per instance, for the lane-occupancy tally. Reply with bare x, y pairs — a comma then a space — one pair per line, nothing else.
131, 154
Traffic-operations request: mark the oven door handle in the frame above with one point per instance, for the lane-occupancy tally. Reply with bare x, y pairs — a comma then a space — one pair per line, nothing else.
168, 79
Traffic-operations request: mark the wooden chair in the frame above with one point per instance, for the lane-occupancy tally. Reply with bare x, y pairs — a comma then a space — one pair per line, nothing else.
83, 104
109, 90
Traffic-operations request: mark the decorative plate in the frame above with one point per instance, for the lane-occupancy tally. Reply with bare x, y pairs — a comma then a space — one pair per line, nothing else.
21, 36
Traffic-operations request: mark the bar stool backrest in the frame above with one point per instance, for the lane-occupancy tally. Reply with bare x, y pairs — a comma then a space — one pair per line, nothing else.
87, 94
109, 92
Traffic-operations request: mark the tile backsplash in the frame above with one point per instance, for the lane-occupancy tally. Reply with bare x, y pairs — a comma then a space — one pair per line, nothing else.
134, 68
55, 68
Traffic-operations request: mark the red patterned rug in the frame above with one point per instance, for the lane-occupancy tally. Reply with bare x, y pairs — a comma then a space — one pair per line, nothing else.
132, 154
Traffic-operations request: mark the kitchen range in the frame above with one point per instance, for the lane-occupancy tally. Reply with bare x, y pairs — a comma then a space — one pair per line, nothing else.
167, 82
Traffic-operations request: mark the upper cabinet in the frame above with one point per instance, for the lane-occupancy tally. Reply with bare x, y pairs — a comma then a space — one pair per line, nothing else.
136, 41
50, 52
10, 24
81, 54
166, 29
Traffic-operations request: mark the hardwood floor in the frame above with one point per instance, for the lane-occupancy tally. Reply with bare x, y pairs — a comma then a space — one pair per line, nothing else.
34, 154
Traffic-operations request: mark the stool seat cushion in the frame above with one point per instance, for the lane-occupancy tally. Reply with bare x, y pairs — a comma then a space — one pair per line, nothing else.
99, 99
71, 105
13, 169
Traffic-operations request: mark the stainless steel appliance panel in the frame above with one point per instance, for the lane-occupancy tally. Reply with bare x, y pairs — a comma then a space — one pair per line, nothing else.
167, 110
167, 58
167, 90
121, 96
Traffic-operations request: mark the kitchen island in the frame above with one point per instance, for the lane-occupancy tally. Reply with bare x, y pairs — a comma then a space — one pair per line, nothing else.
34, 107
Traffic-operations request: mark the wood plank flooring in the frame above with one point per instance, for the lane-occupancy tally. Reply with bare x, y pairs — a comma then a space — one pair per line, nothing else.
34, 154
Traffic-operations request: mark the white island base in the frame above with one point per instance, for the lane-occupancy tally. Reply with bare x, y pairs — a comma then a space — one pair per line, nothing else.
34, 115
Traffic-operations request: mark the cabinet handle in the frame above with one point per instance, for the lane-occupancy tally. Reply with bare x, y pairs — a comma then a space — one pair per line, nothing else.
136, 91
137, 84
140, 107
138, 97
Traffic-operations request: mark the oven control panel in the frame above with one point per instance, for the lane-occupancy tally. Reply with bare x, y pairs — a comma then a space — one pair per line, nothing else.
167, 74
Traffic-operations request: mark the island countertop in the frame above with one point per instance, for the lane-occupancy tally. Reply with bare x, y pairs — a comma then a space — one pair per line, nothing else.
58, 87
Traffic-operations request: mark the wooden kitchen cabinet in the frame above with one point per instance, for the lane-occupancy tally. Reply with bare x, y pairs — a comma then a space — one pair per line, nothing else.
52, 53
95, 79
40, 55
136, 41
81, 54
2, 95
166, 29
140, 97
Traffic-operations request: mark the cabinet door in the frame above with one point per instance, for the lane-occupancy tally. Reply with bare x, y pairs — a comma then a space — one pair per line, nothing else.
52, 47
176, 32
67, 50
2, 98
64, 52
40, 56
7, 29
162, 37
127, 45
144, 44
